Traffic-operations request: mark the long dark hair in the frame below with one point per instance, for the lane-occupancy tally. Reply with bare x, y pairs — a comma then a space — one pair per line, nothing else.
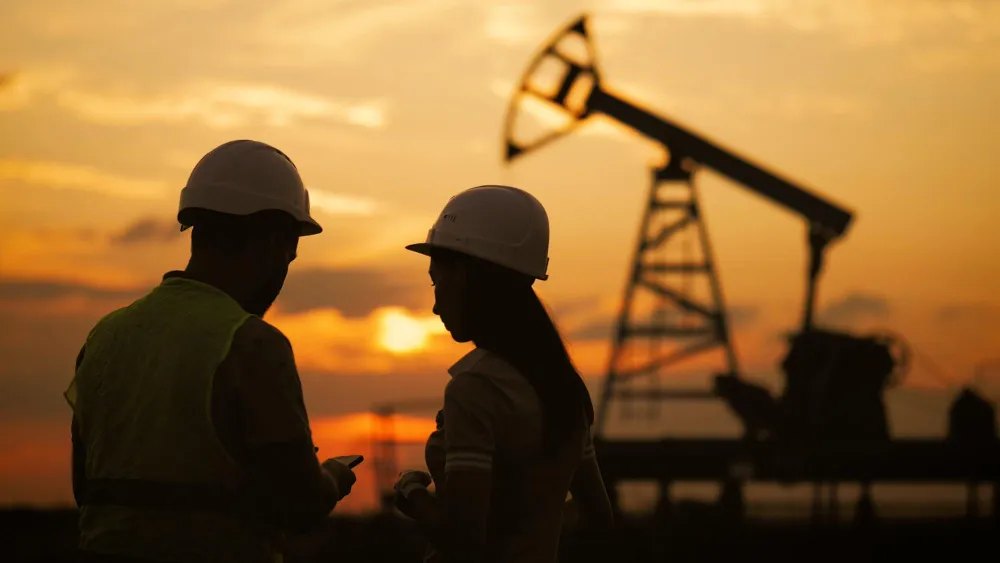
506, 317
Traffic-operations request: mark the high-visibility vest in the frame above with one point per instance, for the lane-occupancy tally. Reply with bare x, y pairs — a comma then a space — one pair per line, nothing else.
160, 485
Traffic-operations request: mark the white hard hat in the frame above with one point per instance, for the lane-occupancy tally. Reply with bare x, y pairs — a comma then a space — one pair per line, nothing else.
244, 177
499, 224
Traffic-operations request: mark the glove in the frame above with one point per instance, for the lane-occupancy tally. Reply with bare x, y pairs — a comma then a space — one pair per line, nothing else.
411, 480
342, 475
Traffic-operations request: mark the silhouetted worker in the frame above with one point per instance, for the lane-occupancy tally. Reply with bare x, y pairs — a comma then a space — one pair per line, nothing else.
514, 434
191, 440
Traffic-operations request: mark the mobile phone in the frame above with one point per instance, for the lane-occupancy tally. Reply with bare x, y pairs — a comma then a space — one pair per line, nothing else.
351, 461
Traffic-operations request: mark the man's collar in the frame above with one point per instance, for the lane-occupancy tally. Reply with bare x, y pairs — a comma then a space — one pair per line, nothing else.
175, 277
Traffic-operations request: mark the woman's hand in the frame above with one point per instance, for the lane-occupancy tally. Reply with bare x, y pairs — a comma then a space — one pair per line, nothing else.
410, 480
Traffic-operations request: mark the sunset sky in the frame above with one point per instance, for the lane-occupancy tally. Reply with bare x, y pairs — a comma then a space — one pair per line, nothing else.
888, 108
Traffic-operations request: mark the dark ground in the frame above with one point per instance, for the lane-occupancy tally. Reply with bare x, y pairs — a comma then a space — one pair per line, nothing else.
50, 536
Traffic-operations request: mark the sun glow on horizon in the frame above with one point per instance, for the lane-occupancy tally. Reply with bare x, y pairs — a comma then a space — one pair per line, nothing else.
402, 333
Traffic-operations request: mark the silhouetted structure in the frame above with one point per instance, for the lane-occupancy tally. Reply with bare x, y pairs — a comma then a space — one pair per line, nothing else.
385, 443
672, 193
830, 423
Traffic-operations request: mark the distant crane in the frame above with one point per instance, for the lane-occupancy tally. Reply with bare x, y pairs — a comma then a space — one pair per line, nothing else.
385, 443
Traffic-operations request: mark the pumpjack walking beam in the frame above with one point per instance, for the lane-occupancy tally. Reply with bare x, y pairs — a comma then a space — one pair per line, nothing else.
580, 94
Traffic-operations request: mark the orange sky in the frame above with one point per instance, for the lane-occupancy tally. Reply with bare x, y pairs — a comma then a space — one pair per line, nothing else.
886, 107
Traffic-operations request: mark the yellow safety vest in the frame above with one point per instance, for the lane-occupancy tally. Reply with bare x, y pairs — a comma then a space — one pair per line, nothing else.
159, 484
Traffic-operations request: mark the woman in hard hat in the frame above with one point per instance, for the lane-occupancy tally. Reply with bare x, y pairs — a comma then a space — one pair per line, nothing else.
514, 435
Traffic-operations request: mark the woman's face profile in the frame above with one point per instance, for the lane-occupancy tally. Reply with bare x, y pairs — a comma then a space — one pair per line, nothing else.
448, 278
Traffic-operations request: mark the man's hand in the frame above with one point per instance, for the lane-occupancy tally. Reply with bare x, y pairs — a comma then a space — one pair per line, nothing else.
342, 475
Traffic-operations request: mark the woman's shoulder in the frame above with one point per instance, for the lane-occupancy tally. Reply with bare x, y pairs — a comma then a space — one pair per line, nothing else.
485, 376
482, 362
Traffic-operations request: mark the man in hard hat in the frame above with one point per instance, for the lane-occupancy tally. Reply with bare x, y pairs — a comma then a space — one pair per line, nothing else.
191, 440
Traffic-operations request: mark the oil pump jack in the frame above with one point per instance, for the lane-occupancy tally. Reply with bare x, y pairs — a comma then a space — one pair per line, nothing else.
673, 191
830, 420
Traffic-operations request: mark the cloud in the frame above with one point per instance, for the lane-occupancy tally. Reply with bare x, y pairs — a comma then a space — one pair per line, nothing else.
743, 316
19, 89
35, 462
578, 305
51, 253
796, 104
222, 105
340, 204
161, 230
779, 102
949, 58
28, 301
345, 30
860, 21
855, 308
987, 378
514, 24
339, 393
602, 329
67, 176
51, 289
43, 324
975, 314
218, 104
934, 35
354, 292
147, 230
868, 22
742, 8
10, 98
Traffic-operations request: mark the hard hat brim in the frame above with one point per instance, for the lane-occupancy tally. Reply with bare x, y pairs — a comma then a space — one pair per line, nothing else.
308, 227
427, 248
422, 248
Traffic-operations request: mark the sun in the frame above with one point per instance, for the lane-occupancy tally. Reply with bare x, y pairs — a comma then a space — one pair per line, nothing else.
401, 333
